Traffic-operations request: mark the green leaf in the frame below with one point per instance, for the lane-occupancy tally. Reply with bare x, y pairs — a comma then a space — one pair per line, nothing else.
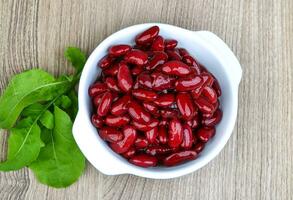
64, 102
60, 162
76, 57
47, 119
74, 104
25, 89
33, 110
24, 145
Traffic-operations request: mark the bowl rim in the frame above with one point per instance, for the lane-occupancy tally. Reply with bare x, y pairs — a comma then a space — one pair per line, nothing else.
183, 170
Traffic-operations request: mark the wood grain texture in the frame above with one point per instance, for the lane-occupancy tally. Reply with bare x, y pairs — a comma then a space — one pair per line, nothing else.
256, 163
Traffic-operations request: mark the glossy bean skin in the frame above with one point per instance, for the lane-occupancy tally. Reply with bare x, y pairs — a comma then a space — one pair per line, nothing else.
173, 55
105, 104
194, 123
147, 36
97, 89
137, 113
145, 95
170, 44
110, 134
141, 142
97, 121
175, 133
152, 134
112, 84
214, 120
119, 50
158, 150
169, 113
136, 57
124, 78
144, 160
188, 83
183, 52
185, 105
97, 100
106, 62
208, 79
164, 100
217, 88
145, 80
198, 147
206, 133
123, 146
146, 127
117, 121
150, 107
159, 58
120, 106
130, 153
179, 157
158, 44
204, 106
190, 61
161, 81
162, 134
210, 94
187, 137
112, 70
175, 67
137, 70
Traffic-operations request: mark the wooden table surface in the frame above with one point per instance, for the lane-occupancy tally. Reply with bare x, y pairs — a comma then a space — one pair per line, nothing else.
256, 163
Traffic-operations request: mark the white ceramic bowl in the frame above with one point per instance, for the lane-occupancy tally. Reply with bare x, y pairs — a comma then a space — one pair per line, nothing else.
209, 50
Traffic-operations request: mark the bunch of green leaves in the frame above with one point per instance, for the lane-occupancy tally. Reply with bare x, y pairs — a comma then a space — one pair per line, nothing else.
38, 109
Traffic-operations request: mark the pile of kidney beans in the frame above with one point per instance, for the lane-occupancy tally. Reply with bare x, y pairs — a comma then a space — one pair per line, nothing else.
154, 103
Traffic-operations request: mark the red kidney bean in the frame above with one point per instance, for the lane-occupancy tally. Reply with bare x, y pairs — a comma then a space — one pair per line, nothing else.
146, 127
106, 62
112, 70
130, 153
162, 135
137, 113
136, 57
124, 77
196, 92
183, 52
145, 80
173, 55
135, 85
137, 70
152, 134
159, 58
144, 160
188, 83
161, 81
210, 94
206, 133
158, 150
198, 147
110, 134
187, 137
147, 36
97, 99
119, 50
117, 121
185, 105
97, 88
97, 121
141, 142
120, 107
163, 122
194, 123
170, 44
204, 106
207, 79
217, 88
175, 67
105, 104
145, 95
164, 100
150, 107
179, 157
214, 120
169, 113
123, 146
175, 133
158, 44
112, 84
190, 61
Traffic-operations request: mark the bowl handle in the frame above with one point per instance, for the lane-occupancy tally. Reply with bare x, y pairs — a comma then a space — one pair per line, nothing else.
233, 64
101, 158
